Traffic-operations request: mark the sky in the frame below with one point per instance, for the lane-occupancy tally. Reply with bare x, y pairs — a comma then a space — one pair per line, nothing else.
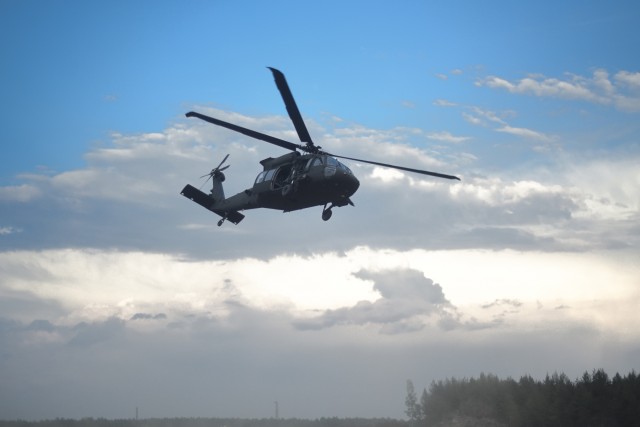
116, 293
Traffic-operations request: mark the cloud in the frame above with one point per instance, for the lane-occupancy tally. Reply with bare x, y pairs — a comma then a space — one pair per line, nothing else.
632, 80
41, 325
503, 302
405, 285
406, 297
4, 231
454, 72
444, 103
127, 198
526, 133
147, 316
500, 123
447, 137
621, 92
19, 193
97, 332
147, 326
474, 120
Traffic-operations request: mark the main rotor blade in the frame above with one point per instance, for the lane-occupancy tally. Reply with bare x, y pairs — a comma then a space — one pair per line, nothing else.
386, 165
292, 108
252, 133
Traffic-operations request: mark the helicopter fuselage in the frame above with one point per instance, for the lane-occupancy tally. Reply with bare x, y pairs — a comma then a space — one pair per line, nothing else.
310, 180
287, 183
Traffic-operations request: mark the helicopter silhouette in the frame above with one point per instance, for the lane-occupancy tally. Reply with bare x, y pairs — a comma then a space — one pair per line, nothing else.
290, 182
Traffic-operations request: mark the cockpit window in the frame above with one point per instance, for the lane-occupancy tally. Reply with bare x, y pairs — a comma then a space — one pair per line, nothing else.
344, 167
269, 174
314, 161
331, 161
260, 177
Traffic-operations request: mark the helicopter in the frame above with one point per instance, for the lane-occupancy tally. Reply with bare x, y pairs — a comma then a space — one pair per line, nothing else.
304, 178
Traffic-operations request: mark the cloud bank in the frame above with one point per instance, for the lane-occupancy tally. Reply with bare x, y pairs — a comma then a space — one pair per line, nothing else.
116, 289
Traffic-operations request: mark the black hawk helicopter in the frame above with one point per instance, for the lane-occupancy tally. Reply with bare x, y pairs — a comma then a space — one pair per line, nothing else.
290, 182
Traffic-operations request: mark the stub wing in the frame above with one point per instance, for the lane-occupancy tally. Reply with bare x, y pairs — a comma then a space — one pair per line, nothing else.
207, 202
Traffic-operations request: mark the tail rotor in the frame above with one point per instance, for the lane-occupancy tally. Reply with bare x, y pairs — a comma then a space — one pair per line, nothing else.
216, 172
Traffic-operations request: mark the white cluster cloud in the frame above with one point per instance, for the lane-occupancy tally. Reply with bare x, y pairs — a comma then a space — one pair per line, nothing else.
447, 137
8, 230
140, 176
622, 91
486, 118
19, 193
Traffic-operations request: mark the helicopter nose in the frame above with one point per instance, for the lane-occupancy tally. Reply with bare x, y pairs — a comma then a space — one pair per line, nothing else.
348, 183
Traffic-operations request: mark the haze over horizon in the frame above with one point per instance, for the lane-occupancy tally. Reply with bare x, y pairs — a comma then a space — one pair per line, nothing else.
117, 293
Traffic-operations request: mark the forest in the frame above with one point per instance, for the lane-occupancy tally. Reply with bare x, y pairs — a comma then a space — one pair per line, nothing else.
211, 422
593, 400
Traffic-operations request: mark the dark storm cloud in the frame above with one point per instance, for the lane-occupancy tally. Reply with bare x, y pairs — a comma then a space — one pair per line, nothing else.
238, 364
41, 325
407, 300
86, 334
21, 305
147, 316
503, 303
405, 285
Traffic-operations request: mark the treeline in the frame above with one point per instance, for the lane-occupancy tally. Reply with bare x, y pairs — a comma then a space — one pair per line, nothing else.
593, 400
210, 422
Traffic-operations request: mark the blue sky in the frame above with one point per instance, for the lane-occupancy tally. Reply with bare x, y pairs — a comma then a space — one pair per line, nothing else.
108, 276
77, 71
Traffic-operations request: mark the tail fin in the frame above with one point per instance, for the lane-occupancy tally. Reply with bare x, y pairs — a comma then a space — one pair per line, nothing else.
217, 178
206, 201
217, 192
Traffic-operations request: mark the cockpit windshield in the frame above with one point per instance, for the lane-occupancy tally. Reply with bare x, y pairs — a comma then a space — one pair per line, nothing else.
345, 168
327, 161
335, 162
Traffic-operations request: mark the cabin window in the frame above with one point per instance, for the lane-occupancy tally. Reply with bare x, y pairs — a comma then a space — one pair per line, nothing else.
269, 174
332, 161
282, 175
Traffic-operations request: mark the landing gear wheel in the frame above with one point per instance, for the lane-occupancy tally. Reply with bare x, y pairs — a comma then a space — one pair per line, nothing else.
326, 214
221, 222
